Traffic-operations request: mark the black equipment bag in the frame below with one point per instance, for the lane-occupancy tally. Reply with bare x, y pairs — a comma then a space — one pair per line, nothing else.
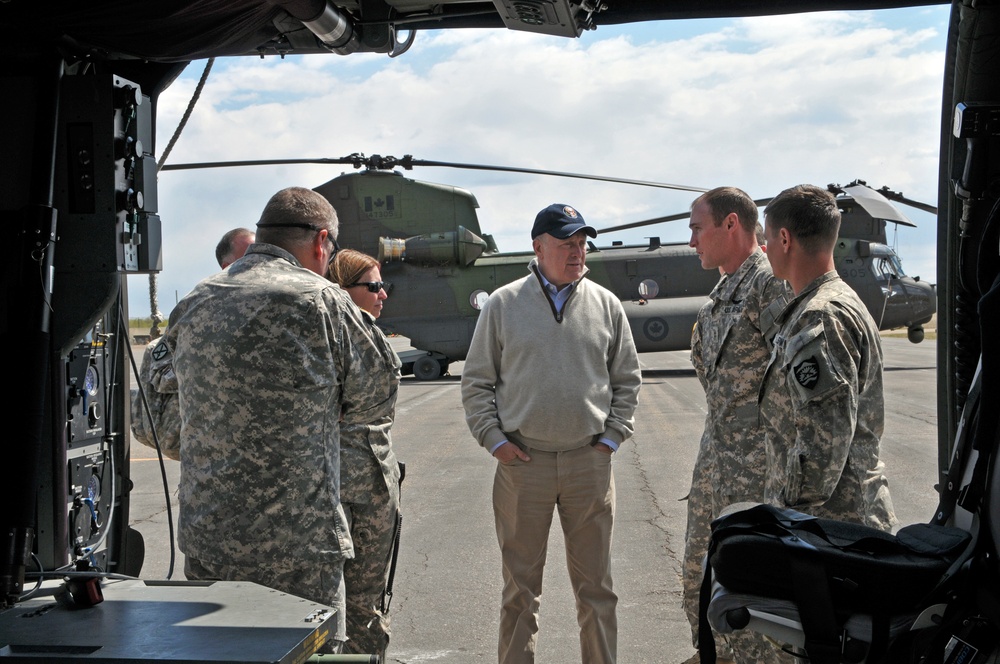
867, 570
829, 569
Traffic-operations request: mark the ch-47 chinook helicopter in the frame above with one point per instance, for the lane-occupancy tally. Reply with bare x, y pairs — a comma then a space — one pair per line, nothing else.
443, 267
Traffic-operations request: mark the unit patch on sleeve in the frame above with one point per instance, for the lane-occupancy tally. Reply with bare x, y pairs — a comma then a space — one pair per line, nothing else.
807, 373
160, 351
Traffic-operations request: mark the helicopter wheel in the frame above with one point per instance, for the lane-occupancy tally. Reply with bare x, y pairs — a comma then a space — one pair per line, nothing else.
427, 368
915, 334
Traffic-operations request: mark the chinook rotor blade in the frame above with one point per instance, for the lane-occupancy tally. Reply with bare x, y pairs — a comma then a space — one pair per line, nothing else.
663, 220
871, 199
875, 203
356, 160
561, 174
899, 198
379, 162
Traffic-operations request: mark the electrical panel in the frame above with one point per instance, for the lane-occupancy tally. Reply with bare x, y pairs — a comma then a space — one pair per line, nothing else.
106, 121
561, 18
107, 227
84, 475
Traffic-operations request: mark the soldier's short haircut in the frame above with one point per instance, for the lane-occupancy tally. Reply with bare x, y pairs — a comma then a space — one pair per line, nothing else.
224, 250
809, 213
724, 200
348, 266
293, 216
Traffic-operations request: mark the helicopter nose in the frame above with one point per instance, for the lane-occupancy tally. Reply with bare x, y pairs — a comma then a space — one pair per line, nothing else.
930, 299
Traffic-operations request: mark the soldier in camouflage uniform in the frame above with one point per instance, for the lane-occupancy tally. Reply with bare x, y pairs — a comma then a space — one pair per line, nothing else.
159, 384
821, 400
267, 354
729, 350
156, 373
233, 245
369, 471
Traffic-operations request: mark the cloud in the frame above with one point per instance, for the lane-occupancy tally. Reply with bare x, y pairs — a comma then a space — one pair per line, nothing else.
760, 103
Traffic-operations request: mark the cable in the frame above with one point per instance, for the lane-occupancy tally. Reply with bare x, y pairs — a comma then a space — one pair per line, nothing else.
885, 302
159, 453
108, 440
38, 584
106, 528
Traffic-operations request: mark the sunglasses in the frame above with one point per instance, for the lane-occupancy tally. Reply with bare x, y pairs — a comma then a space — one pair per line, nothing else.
333, 254
373, 286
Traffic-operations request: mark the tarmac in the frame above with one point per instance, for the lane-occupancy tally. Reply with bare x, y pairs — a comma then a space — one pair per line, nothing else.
445, 605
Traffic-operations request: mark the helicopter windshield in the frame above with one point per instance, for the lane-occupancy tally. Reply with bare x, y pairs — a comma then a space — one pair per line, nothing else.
886, 263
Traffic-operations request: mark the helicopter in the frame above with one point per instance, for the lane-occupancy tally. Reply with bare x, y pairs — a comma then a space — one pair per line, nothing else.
443, 267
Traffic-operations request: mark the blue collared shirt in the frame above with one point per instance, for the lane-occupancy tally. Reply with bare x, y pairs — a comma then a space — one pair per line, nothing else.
557, 296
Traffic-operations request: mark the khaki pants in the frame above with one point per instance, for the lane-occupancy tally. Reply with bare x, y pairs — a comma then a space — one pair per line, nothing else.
579, 483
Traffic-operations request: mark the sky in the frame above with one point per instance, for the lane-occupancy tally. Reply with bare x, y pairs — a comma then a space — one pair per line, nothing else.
759, 103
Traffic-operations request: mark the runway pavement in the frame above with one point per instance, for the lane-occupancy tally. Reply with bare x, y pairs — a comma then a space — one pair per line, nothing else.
447, 590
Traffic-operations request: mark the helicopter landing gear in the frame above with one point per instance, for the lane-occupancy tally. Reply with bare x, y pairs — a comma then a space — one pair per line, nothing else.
427, 368
915, 334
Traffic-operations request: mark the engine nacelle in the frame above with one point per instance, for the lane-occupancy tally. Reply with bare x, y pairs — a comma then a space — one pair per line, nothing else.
461, 247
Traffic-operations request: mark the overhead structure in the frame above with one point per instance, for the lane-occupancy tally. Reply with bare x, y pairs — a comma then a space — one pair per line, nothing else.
185, 30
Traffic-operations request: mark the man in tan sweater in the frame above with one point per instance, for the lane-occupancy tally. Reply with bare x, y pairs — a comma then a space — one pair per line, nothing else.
549, 387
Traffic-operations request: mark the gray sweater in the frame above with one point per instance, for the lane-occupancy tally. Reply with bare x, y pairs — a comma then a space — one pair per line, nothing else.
551, 384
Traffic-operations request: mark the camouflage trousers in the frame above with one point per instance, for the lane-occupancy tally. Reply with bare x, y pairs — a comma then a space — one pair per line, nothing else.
373, 525
704, 505
317, 583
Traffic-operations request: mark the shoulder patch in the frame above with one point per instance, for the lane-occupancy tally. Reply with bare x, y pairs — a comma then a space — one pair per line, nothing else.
160, 350
807, 372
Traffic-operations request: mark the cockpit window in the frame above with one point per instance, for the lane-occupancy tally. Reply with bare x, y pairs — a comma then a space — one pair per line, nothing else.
888, 267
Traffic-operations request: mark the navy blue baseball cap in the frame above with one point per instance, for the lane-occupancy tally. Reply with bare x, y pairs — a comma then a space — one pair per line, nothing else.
560, 221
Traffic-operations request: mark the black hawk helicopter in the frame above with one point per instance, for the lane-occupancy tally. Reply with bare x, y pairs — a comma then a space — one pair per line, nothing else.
442, 266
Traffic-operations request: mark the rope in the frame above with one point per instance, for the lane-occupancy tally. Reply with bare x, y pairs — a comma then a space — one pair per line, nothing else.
187, 113
154, 309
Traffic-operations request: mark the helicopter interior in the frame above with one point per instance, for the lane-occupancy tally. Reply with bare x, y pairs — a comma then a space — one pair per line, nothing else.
79, 204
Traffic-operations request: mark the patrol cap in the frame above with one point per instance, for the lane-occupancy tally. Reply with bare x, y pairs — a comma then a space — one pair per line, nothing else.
560, 221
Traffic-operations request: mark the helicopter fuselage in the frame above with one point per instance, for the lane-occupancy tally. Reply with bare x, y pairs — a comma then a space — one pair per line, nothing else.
443, 267
661, 286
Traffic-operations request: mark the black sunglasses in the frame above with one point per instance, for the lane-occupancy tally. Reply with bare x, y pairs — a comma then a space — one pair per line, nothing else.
333, 254
373, 286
